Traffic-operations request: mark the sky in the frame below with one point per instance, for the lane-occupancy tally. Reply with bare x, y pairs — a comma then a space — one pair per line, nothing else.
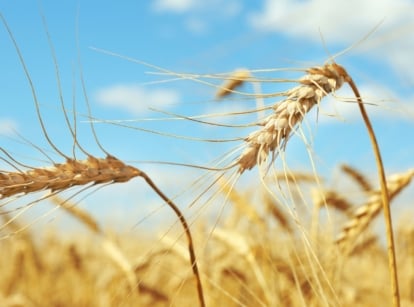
125, 52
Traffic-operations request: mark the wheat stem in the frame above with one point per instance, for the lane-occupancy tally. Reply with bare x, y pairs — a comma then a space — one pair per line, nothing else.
384, 193
184, 224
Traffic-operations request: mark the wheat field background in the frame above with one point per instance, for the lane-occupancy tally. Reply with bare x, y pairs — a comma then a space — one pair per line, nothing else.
199, 185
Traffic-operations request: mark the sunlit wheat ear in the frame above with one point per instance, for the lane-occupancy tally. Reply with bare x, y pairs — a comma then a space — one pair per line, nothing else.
233, 81
63, 176
277, 128
363, 216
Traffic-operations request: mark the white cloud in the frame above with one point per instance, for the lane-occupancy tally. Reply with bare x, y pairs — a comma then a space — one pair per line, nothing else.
346, 22
198, 15
338, 21
7, 126
222, 7
136, 99
175, 6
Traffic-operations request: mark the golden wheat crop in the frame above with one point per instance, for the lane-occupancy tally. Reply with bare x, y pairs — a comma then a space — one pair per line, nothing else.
287, 238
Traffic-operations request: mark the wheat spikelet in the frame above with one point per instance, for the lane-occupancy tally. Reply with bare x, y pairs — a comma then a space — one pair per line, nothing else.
366, 213
277, 127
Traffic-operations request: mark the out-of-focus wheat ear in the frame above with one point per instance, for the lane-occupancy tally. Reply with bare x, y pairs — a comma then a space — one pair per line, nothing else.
243, 208
26, 238
297, 177
358, 177
234, 80
363, 215
109, 246
276, 211
239, 244
331, 198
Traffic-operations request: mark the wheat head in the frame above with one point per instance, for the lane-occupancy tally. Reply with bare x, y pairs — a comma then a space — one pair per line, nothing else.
65, 175
366, 213
277, 127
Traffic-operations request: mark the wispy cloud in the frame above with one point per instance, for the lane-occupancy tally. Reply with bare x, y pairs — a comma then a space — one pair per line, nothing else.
136, 99
7, 126
338, 21
198, 15
346, 22
175, 6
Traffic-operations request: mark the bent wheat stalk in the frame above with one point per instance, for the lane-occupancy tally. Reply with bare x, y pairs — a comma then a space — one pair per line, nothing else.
92, 171
392, 263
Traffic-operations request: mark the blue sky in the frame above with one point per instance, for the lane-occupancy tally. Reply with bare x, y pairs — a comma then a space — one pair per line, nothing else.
204, 37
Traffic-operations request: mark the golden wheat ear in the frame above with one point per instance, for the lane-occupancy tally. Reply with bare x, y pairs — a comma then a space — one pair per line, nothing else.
364, 215
277, 127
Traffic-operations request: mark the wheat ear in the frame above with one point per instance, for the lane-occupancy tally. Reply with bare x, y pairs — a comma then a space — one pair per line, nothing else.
235, 80
277, 128
363, 215
358, 177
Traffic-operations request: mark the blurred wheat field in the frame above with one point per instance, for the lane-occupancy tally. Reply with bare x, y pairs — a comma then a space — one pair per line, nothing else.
265, 233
